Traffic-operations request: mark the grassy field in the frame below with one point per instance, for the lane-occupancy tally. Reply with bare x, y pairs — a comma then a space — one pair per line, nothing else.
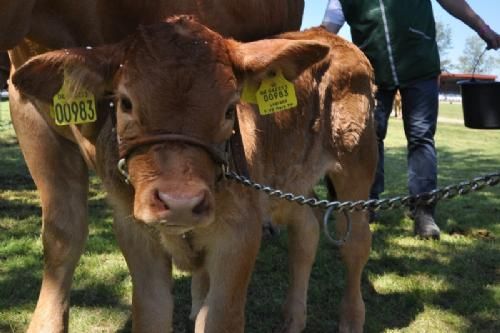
451, 111
409, 285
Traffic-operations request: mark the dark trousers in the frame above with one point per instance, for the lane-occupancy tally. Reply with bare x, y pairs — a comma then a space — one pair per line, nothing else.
420, 110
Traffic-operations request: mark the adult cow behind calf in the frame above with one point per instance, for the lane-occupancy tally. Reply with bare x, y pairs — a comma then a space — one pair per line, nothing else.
177, 87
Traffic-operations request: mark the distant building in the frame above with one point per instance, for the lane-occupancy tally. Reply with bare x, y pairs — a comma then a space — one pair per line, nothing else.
449, 90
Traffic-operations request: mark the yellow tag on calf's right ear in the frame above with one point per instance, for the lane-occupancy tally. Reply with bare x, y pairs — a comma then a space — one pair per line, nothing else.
276, 94
77, 108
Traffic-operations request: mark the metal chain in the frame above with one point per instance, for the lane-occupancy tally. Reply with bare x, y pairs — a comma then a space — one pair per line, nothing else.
426, 198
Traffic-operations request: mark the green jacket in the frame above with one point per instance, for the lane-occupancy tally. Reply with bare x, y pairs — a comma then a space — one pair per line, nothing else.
398, 36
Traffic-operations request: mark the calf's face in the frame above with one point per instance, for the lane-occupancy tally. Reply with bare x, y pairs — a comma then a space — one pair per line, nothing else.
175, 81
176, 87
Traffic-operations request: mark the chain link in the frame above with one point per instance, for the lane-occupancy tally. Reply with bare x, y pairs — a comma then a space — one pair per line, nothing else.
425, 198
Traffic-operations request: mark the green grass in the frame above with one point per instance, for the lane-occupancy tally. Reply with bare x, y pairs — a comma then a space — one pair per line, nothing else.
451, 111
409, 285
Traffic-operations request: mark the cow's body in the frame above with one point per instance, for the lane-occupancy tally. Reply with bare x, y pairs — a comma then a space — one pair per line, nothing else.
397, 104
60, 23
210, 227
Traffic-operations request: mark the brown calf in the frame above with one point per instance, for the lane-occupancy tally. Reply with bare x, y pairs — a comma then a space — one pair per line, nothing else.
30, 27
397, 104
176, 87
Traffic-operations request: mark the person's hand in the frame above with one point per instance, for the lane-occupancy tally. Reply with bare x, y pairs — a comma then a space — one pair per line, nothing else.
491, 38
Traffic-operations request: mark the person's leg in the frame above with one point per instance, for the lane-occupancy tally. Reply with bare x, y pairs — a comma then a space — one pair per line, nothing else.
4, 69
420, 110
384, 99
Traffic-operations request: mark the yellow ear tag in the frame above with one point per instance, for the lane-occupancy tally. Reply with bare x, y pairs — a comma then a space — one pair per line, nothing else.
77, 108
249, 92
276, 94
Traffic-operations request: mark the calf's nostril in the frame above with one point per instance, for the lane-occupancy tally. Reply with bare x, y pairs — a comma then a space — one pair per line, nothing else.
203, 205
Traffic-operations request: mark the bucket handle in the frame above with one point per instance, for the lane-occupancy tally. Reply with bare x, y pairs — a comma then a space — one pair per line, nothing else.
477, 63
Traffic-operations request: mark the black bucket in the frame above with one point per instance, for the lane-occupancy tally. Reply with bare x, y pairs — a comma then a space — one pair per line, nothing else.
481, 104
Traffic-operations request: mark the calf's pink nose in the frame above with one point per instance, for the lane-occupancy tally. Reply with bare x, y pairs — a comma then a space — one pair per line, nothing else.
185, 205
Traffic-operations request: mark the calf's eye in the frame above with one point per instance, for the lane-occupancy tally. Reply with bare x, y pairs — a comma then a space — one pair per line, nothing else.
230, 112
125, 104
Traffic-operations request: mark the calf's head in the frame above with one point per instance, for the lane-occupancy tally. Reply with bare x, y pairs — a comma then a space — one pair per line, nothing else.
176, 87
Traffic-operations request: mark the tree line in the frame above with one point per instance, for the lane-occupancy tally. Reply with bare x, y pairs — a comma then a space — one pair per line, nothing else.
472, 54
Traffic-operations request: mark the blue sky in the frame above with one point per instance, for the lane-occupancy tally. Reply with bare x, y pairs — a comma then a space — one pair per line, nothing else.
489, 10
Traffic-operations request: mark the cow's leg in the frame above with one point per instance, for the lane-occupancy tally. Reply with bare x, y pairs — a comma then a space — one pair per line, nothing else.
61, 177
229, 263
151, 270
354, 184
303, 236
200, 283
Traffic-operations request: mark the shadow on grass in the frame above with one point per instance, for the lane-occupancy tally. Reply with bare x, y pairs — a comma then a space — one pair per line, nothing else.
469, 275
469, 272
18, 210
454, 168
14, 174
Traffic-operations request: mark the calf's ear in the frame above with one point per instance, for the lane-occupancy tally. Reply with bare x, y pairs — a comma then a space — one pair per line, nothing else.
292, 57
91, 68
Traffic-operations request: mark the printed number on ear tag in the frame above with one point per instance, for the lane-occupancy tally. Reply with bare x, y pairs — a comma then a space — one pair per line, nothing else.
276, 94
73, 108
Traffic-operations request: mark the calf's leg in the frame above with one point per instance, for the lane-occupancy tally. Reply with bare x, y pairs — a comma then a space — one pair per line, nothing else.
303, 237
229, 263
200, 283
354, 184
61, 177
151, 270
